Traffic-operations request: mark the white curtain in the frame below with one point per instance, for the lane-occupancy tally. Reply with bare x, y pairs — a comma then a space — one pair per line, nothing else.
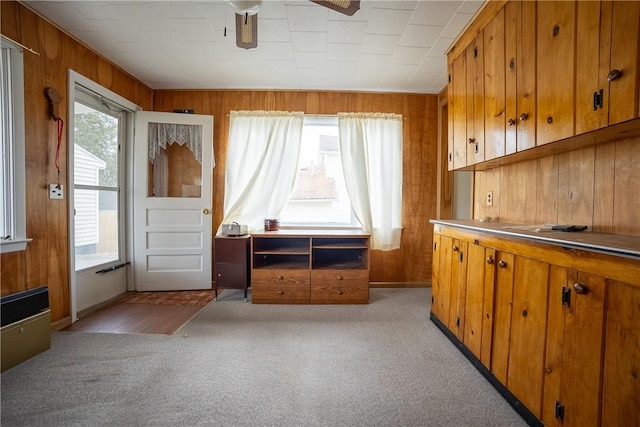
371, 148
163, 134
262, 162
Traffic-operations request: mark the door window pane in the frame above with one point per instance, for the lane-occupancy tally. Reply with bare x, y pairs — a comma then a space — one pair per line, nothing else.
96, 147
175, 160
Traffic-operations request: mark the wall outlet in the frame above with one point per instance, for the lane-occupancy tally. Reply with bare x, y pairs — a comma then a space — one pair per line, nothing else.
490, 198
56, 191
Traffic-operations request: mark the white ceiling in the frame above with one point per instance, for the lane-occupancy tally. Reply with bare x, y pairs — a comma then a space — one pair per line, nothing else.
386, 46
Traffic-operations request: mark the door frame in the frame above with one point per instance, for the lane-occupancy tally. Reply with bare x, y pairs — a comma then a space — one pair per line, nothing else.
75, 78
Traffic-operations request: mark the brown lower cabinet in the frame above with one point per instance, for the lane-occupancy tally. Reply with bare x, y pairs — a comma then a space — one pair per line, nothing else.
556, 330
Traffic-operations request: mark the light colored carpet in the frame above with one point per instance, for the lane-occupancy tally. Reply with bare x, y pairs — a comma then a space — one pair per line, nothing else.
237, 364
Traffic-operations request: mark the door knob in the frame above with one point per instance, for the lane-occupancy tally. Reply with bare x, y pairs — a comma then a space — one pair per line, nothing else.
206, 211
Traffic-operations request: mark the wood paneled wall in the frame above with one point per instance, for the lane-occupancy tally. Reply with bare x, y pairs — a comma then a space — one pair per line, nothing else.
412, 262
46, 260
595, 186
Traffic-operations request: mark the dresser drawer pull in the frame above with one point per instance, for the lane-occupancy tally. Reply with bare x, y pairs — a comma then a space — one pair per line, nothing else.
339, 277
280, 292
340, 293
280, 278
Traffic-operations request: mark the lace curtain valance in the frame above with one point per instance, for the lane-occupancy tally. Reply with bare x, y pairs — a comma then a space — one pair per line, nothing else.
163, 134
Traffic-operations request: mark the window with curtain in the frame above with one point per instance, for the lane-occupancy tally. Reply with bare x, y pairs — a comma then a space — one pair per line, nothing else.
371, 148
12, 165
319, 196
264, 160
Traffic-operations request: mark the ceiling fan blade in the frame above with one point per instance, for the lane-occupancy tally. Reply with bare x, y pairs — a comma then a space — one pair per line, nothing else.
346, 7
247, 31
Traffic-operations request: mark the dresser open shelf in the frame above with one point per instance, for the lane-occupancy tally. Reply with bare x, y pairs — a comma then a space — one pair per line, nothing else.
302, 267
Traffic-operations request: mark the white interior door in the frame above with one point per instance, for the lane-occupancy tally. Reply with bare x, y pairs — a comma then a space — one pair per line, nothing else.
173, 158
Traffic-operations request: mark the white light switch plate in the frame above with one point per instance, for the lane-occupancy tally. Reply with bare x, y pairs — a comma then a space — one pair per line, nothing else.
56, 191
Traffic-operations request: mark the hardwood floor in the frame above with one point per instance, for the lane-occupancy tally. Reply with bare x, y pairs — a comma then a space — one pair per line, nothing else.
122, 318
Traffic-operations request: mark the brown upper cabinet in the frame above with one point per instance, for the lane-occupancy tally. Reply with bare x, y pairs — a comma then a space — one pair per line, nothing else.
532, 73
520, 75
606, 63
555, 70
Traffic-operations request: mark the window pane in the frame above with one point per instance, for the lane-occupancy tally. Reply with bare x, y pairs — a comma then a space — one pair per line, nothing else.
96, 227
175, 153
319, 196
96, 147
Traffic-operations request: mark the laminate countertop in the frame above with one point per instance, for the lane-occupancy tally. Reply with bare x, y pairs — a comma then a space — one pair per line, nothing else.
610, 244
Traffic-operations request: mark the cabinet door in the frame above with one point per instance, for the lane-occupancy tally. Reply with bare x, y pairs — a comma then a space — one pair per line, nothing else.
458, 101
494, 86
528, 323
589, 116
555, 70
450, 122
624, 92
458, 288
574, 349
503, 296
435, 275
475, 100
479, 301
520, 76
443, 297
621, 388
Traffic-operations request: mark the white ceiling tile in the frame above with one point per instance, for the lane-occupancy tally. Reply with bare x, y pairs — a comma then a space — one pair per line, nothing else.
119, 30
440, 47
343, 52
277, 50
311, 59
437, 13
181, 44
307, 18
180, 9
409, 55
273, 30
373, 62
379, 44
420, 35
433, 65
388, 21
309, 42
456, 25
471, 6
192, 30
346, 31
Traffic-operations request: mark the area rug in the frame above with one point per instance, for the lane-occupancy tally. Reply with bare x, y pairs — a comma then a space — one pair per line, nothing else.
200, 298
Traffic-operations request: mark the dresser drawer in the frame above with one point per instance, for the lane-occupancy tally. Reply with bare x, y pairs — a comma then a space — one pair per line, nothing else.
280, 286
339, 286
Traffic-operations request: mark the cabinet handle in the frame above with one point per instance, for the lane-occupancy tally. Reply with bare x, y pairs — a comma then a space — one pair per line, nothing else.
490, 260
472, 140
340, 293
456, 249
280, 292
524, 313
502, 264
580, 288
280, 278
524, 116
512, 63
339, 277
549, 119
511, 122
614, 75
556, 30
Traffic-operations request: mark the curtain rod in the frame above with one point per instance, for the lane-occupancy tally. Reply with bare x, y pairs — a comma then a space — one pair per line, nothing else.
20, 45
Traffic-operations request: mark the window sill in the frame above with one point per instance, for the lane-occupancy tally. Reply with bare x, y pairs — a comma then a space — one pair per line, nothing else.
14, 245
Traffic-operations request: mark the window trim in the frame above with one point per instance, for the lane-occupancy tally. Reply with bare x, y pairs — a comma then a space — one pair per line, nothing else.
15, 177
